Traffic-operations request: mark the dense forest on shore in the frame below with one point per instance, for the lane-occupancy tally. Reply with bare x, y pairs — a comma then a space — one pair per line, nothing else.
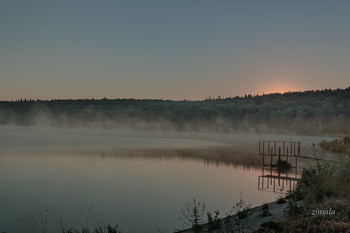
311, 112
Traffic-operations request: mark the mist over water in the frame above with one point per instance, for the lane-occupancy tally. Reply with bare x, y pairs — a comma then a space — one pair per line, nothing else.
314, 112
138, 179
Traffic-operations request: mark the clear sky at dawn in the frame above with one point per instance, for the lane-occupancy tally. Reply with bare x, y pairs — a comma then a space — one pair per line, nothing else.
171, 49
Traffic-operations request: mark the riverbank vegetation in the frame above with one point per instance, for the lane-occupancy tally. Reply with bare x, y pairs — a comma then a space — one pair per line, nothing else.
97, 229
309, 112
324, 190
319, 203
338, 145
193, 217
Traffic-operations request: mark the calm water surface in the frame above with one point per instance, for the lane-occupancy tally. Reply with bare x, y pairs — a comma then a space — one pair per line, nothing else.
52, 178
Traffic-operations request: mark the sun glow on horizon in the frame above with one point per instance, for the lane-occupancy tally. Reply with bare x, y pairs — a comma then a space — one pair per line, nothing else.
281, 88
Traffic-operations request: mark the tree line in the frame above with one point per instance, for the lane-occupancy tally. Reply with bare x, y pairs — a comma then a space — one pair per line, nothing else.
312, 112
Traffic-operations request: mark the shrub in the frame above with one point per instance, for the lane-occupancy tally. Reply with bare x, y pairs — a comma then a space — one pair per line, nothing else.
193, 214
271, 226
317, 183
241, 208
213, 222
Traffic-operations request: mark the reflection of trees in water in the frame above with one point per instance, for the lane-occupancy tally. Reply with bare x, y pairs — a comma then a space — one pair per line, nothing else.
217, 156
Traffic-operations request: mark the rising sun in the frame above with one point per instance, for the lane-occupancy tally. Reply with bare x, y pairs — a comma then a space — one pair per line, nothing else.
280, 89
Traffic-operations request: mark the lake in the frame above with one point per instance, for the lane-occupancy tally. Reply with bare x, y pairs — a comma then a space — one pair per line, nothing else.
54, 177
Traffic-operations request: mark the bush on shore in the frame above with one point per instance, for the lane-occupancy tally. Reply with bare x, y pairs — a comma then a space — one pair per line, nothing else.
325, 191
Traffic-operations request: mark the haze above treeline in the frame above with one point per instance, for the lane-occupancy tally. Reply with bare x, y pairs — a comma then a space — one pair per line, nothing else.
309, 112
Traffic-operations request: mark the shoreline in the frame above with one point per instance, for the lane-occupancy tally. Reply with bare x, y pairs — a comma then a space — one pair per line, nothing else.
249, 224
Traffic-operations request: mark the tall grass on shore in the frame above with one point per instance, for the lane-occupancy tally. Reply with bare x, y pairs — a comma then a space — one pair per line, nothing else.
53, 222
337, 146
193, 214
324, 190
324, 180
97, 229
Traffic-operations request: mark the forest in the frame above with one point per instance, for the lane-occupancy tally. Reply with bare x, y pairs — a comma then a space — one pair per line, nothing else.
309, 112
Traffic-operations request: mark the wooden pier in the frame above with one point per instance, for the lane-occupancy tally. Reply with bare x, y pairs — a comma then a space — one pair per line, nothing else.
280, 149
277, 151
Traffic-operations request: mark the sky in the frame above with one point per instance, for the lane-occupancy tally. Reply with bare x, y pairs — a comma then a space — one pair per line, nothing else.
171, 49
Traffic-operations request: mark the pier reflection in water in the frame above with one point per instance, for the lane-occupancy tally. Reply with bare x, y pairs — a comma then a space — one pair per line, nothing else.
277, 182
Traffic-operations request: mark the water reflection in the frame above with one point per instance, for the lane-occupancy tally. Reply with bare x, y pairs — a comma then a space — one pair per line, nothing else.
136, 182
146, 186
277, 182
228, 156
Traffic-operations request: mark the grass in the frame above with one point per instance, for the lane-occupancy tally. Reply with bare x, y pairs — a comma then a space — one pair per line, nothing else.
241, 209
213, 221
194, 211
324, 180
324, 190
304, 221
98, 229
336, 145
193, 214
48, 222
107, 229
265, 210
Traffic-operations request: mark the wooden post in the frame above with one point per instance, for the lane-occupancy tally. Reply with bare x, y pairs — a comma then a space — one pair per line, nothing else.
294, 150
271, 164
263, 147
279, 182
290, 185
279, 154
263, 161
283, 184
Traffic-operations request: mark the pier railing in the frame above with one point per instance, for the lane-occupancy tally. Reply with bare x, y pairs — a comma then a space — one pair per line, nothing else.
280, 148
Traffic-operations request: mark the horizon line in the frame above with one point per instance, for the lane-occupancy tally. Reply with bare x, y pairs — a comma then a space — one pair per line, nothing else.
219, 97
